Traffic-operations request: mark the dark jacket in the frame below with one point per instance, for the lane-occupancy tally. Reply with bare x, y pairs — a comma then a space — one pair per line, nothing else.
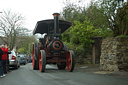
1, 53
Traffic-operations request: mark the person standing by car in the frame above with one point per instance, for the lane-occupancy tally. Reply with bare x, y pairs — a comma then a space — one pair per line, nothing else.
9, 52
4, 58
28, 58
1, 66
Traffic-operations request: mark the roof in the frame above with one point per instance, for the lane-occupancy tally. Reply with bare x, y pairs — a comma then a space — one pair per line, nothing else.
45, 25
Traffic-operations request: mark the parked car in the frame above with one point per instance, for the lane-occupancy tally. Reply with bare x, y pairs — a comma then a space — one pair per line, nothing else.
13, 60
22, 59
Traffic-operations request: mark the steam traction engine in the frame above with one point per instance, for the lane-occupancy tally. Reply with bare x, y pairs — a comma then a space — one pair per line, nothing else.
50, 49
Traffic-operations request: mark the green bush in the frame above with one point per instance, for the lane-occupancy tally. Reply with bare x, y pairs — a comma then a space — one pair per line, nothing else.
79, 38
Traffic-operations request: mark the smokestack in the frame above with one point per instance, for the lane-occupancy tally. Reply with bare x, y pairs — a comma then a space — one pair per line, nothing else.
56, 24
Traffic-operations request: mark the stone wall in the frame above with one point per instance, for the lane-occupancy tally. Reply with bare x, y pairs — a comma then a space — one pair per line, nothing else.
114, 54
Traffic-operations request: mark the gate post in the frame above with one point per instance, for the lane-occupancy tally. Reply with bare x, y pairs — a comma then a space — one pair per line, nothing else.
96, 50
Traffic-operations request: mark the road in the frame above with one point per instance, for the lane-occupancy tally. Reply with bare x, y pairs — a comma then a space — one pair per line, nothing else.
26, 76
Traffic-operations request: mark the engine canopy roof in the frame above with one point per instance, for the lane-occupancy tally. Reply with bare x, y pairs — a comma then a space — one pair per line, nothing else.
45, 26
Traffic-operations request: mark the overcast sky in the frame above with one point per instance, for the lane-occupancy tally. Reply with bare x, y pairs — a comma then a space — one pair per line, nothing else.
33, 10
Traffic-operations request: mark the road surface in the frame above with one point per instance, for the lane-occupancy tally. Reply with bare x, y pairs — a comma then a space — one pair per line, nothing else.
26, 76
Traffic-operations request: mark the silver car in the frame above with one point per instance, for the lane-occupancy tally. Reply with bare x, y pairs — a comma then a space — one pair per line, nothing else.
13, 60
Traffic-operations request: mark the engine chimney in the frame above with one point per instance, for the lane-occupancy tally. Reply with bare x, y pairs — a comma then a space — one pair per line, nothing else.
56, 24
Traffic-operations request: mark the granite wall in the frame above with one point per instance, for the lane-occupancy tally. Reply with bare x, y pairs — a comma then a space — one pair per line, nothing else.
114, 54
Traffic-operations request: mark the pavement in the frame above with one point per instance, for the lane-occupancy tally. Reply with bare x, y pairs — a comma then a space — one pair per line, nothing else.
94, 68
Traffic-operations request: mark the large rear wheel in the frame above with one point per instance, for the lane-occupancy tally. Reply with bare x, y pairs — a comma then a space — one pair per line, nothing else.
70, 63
34, 64
42, 61
35, 53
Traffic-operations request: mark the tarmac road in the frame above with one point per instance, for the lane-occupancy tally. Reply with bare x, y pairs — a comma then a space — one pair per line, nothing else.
26, 76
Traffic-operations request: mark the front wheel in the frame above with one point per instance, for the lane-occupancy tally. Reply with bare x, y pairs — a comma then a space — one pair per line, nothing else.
70, 63
42, 61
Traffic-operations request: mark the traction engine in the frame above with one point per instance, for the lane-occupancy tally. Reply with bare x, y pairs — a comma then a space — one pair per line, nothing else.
50, 49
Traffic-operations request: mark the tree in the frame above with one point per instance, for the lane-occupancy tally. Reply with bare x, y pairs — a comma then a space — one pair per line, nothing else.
9, 24
86, 23
116, 12
24, 31
24, 44
95, 15
82, 34
121, 21
73, 11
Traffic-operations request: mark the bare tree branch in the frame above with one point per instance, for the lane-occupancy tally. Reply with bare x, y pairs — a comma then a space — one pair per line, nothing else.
10, 22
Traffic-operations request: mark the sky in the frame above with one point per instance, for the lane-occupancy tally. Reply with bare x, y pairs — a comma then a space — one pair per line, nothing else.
33, 10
